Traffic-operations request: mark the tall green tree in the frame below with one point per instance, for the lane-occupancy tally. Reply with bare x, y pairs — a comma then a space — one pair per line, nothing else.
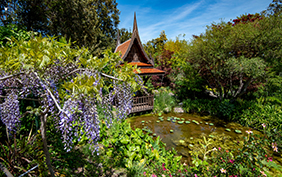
156, 46
228, 57
91, 23
185, 78
275, 7
6, 12
124, 35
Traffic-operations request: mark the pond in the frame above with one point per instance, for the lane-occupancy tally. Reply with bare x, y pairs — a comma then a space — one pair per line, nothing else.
179, 130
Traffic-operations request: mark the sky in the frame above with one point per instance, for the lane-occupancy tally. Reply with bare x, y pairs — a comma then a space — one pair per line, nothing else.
178, 17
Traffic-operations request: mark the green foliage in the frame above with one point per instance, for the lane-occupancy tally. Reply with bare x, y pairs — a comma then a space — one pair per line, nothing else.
124, 35
7, 34
133, 150
202, 106
186, 79
254, 114
219, 156
90, 23
39, 53
164, 100
227, 57
155, 46
36, 53
225, 109
19, 155
64, 163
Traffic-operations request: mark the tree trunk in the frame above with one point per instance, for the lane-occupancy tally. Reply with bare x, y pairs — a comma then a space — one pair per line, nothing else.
43, 119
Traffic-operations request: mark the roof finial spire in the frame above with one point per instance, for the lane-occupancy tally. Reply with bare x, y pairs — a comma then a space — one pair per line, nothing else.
135, 24
118, 38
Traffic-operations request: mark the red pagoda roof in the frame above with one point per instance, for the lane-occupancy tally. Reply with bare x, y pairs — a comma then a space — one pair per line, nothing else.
150, 71
123, 47
141, 64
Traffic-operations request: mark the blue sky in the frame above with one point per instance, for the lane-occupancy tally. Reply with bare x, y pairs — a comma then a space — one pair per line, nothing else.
177, 17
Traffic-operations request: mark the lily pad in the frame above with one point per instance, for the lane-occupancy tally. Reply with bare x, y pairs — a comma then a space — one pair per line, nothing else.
149, 120
201, 122
187, 122
182, 119
162, 120
143, 121
211, 124
177, 118
160, 117
171, 131
146, 122
168, 119
195, 122
173, 121
180, 122
228, 129
157, 121
181, 141
206, 123
238, 131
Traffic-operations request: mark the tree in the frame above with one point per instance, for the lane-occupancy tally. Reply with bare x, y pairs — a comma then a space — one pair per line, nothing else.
185, 78
90, 23
247, 18
124, 35
7, 12
274, 8
155, 46
228, 58
163, 63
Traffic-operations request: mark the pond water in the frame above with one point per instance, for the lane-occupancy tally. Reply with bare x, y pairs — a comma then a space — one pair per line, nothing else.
175, 129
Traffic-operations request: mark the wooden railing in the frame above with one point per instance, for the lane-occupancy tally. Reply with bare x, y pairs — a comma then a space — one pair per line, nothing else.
142, 103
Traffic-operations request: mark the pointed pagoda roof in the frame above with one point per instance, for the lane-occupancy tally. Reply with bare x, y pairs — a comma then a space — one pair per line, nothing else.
125, 47
133, 52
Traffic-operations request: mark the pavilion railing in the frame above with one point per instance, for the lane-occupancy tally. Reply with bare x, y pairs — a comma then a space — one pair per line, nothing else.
142, 103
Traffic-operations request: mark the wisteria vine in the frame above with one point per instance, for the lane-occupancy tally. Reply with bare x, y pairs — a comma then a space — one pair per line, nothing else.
78, 115
10, 112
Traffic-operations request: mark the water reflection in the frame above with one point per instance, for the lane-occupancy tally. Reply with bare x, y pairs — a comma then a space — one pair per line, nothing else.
183, 131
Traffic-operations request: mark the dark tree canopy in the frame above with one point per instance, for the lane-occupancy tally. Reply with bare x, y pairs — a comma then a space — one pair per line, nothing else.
91, 23
274, 7
124, 35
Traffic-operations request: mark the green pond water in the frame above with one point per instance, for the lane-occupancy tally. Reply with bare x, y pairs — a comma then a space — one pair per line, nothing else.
176, 132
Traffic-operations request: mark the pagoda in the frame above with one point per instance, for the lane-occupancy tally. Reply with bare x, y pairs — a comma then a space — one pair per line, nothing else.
133, 53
